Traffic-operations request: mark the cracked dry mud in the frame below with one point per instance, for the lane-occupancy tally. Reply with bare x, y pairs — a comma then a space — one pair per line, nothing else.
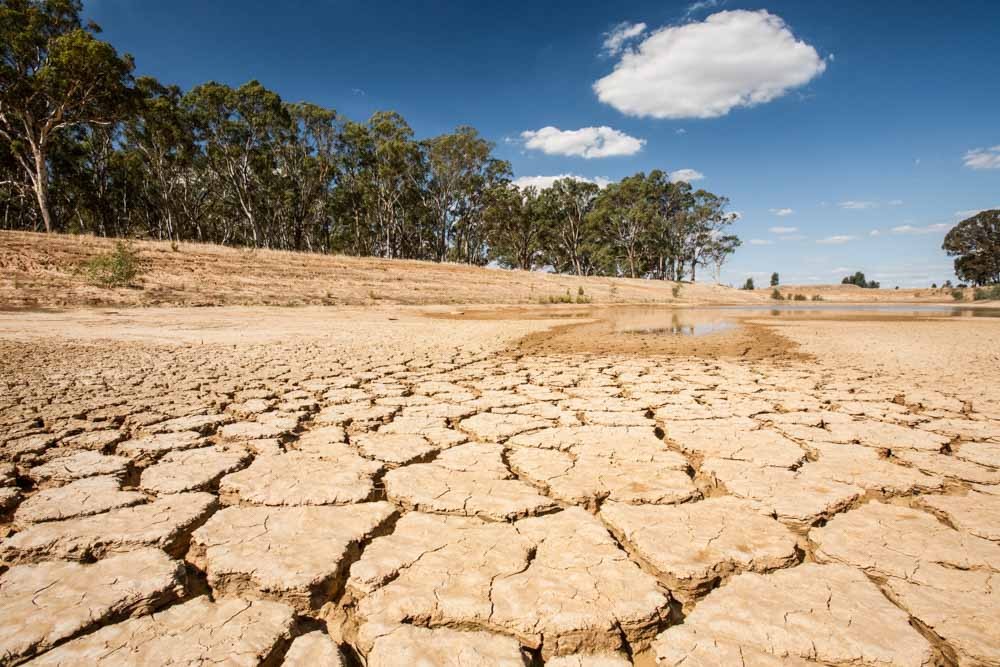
387, 488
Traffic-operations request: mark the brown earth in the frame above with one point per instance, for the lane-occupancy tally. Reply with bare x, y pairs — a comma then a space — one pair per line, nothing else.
44, 271
473, 485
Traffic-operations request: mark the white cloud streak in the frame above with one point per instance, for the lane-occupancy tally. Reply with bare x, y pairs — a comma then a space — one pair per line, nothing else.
782, 212
783, 230
853, 205
928, 229
837, 240
761, 242
616, 39
587, 142
706, 69
982, 158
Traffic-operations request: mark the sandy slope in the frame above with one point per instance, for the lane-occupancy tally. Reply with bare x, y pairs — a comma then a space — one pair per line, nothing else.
38, 270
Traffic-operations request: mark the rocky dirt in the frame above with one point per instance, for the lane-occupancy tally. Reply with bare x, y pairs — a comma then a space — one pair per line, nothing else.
395, 487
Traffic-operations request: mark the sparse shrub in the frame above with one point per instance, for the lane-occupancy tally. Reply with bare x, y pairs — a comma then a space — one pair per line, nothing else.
579, 290
799, 297
776, 295
817, 297
958, 295
175, 246
115, 269
676, 291
748, 285
986, 293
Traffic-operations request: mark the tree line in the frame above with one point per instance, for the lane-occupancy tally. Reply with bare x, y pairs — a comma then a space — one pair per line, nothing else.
88, 147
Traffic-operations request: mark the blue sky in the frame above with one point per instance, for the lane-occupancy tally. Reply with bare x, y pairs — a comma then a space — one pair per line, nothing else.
837, 119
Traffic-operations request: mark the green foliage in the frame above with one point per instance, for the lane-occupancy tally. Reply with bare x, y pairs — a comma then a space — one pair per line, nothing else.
776, 295
986, 293
748, 285
799, 297
115, 269
676, 291
817, 297
958, 295
859, 279
775, 279
975, 243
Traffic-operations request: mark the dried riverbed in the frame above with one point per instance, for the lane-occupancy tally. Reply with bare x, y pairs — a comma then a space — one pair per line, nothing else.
559, 486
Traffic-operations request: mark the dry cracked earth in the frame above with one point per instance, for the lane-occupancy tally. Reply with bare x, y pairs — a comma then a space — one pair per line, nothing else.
405, 491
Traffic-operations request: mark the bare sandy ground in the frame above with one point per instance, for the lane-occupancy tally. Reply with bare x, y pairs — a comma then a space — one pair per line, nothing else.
472, 486
44, 271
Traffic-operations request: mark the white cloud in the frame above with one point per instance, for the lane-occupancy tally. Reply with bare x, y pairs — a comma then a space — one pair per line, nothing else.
761, 242
587, 142
617, 37
782, 212
874, 232
705, 69
837, 240
929, 229
783, 230
700, 5
680, 130
895, 202
853, 205
983, 158
687, 175
542, 182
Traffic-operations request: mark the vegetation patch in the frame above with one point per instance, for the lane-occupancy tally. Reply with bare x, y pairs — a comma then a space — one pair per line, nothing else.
119, 268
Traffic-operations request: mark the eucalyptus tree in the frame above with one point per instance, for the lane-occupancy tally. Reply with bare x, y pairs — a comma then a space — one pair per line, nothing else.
572, 229
307, 165
159, 141
625, 213
518, 227
458, 165
238, 131
55, 75
975, 243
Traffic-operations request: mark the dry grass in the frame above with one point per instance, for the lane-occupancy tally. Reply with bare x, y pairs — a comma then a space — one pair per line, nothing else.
43, 271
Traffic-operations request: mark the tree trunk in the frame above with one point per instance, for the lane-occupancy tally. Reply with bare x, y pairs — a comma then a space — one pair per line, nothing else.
41, 179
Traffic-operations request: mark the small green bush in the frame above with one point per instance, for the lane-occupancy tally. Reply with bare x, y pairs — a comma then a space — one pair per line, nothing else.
986, 293
958, 295
676, 291
799, 297
776, 295
817, 297
116, 269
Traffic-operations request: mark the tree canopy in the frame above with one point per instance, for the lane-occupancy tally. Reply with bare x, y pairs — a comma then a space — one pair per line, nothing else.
975, 244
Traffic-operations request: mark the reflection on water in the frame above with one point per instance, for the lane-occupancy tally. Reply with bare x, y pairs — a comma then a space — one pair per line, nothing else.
651, 321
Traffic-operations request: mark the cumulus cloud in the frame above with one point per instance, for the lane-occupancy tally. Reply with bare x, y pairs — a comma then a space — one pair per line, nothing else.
686, 175
837, 240
783, 230
761, 242
542, 182
852, 205
705, 69
587, 142
874, 232
983, 158
782, 212
928, 229
621, 34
